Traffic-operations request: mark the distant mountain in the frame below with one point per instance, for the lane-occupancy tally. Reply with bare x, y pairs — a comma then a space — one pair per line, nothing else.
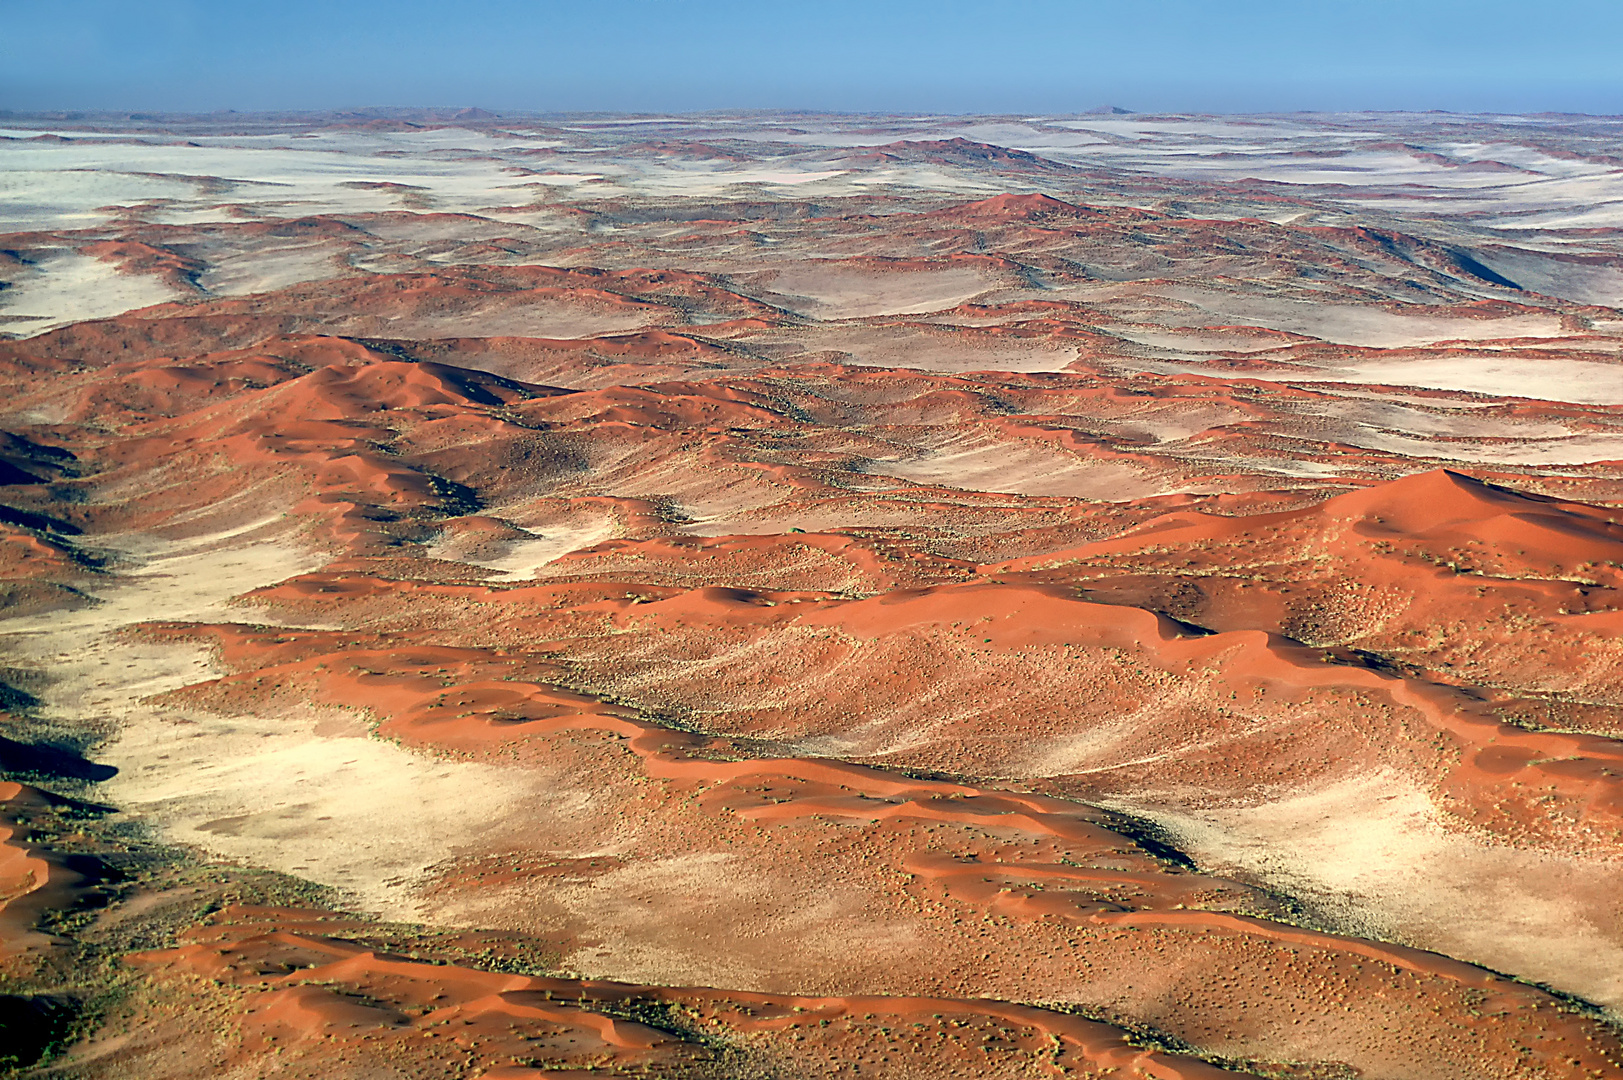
1107, 110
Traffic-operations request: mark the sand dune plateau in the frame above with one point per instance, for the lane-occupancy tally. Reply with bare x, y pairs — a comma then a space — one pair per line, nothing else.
789, 597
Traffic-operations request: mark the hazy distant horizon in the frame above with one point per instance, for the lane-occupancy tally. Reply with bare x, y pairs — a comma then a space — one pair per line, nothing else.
443, 112
945, 58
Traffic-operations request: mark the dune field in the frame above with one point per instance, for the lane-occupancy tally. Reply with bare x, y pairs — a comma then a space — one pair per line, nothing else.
790, 596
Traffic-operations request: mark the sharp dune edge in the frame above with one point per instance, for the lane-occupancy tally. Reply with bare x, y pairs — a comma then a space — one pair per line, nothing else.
779, 597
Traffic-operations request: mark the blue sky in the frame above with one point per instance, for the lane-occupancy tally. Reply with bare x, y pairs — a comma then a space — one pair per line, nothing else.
901, 55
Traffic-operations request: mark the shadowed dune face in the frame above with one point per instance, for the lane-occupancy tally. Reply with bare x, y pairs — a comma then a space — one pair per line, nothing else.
966, 598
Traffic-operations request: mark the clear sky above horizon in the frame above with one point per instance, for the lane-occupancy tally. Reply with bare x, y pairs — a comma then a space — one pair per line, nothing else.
883, 55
